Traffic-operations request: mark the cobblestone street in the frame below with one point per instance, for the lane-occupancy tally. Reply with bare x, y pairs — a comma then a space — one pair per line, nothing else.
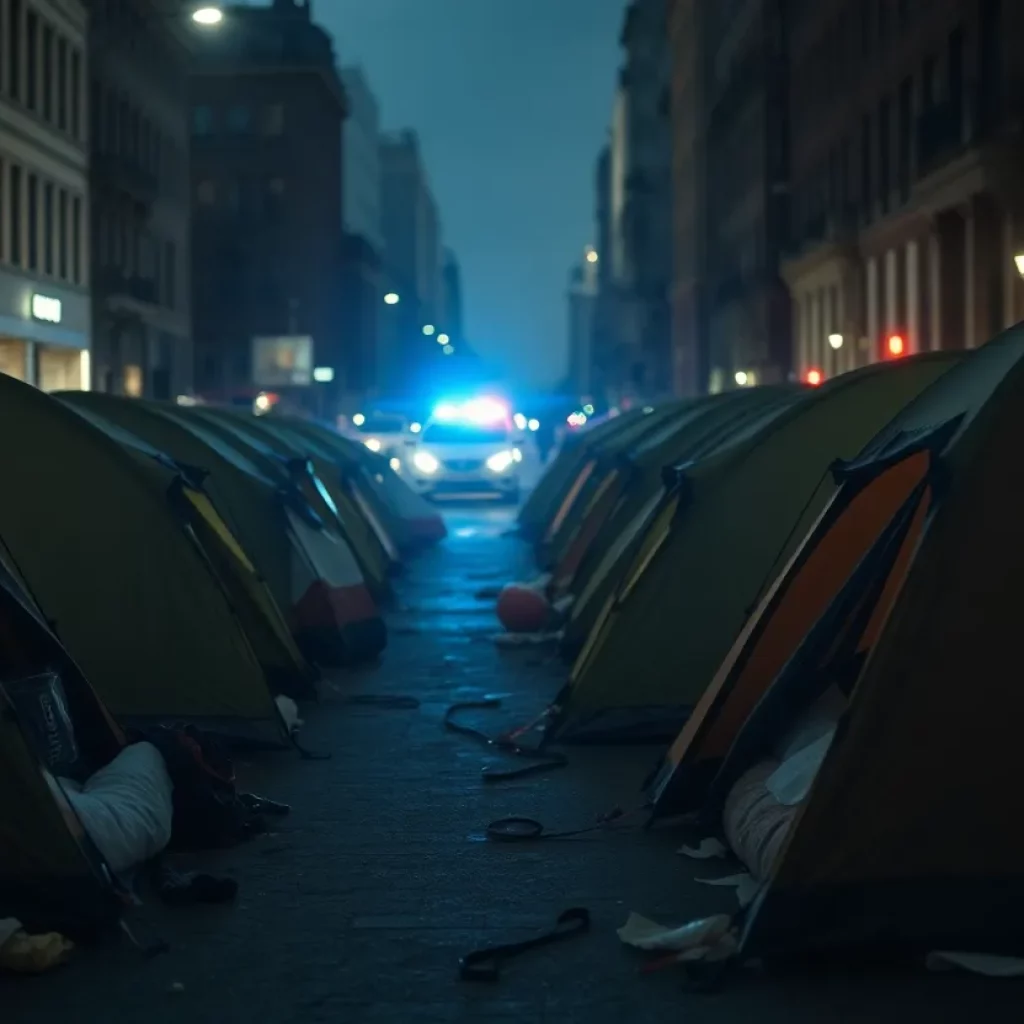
360, 906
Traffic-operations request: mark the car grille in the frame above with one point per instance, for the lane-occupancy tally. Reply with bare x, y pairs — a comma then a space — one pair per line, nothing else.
463, 465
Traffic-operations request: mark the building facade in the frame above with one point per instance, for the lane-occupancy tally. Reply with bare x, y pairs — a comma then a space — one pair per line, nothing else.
582, 307
642, 191
690, 367
268, 108
140, 236
363, 284
908, 212
746, 159
412, 259
45, 324
452, 316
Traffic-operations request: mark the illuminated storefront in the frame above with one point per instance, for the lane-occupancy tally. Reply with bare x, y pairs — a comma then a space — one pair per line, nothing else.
44, 334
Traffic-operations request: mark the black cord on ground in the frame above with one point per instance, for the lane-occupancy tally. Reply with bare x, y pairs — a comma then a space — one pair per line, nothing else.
504, 744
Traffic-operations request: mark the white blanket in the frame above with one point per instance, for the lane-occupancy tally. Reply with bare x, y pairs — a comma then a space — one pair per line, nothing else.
125, 808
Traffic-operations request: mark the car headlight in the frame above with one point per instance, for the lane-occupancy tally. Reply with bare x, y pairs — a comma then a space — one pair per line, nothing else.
517, 455
373, 444
500, 461
426, 463
396, 465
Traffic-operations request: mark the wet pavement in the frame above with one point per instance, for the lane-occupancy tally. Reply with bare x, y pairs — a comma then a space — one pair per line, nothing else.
360, 906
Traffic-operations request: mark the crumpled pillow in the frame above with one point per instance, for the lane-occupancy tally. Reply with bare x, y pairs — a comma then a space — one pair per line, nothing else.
126, 807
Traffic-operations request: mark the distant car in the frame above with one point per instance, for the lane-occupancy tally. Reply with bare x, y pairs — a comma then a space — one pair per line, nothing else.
384, 433
472, 454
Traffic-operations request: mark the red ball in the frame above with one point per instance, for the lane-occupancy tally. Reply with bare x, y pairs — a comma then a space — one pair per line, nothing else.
523, 609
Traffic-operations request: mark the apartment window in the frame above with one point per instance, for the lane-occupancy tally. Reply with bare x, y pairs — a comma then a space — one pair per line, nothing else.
202, 121
273, 119
48, 228
76, 240
865, 28
883, 19
206, 193
170, 276
62, 235
13, 47
48, 48
157, 155
76, 92
31, 49
238, 119
903, 12
15, 218
62, 85
33, 222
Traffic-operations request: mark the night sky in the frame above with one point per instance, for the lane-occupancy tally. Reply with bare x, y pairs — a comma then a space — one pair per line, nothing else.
512, 101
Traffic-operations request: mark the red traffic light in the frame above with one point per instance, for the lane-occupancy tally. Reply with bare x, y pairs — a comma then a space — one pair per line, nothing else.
896, 345
813, 377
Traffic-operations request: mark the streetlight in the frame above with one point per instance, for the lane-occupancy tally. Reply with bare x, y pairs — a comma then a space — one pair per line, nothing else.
207, 15
592, 256
443, 339
428, 329
741, 378
448, 350
836, 341
391, 299
1018, 262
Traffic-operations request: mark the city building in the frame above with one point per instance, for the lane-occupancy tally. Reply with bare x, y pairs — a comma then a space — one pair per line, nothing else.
268, 108
908, 215
582, 302
641, 196
412, 265
605, 350
44, 254
451, 318
690, 367
745, 157
139, 237
363, 284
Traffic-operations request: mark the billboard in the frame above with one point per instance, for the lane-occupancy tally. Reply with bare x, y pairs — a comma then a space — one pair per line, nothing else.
281, 362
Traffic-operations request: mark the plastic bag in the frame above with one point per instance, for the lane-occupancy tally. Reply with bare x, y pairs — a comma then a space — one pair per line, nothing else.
41, 707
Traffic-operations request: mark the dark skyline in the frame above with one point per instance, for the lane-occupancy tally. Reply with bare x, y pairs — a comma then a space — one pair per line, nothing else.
512, 101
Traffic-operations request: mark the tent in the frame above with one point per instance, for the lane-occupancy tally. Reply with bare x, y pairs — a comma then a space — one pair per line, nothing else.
592, 474
333, 613
103, 536
905, 597
633, 475
725, 524
363, 525
278, 455
286, 670
52, 877
542, 503
255, 507
355, 478
416, 522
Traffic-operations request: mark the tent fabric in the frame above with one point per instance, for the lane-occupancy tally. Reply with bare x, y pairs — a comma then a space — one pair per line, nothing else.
359, 630
543, 500
357, 479
90, 526
248, 595
906, 840
364, 526
701, 429
51, 875
736, 516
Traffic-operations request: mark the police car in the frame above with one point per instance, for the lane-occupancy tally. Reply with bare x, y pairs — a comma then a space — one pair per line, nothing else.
466, 450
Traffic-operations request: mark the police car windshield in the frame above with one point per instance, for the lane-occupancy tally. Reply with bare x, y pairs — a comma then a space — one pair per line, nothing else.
383, 425
465, 433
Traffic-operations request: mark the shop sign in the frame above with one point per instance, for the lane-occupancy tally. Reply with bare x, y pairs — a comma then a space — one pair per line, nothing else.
46, 307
